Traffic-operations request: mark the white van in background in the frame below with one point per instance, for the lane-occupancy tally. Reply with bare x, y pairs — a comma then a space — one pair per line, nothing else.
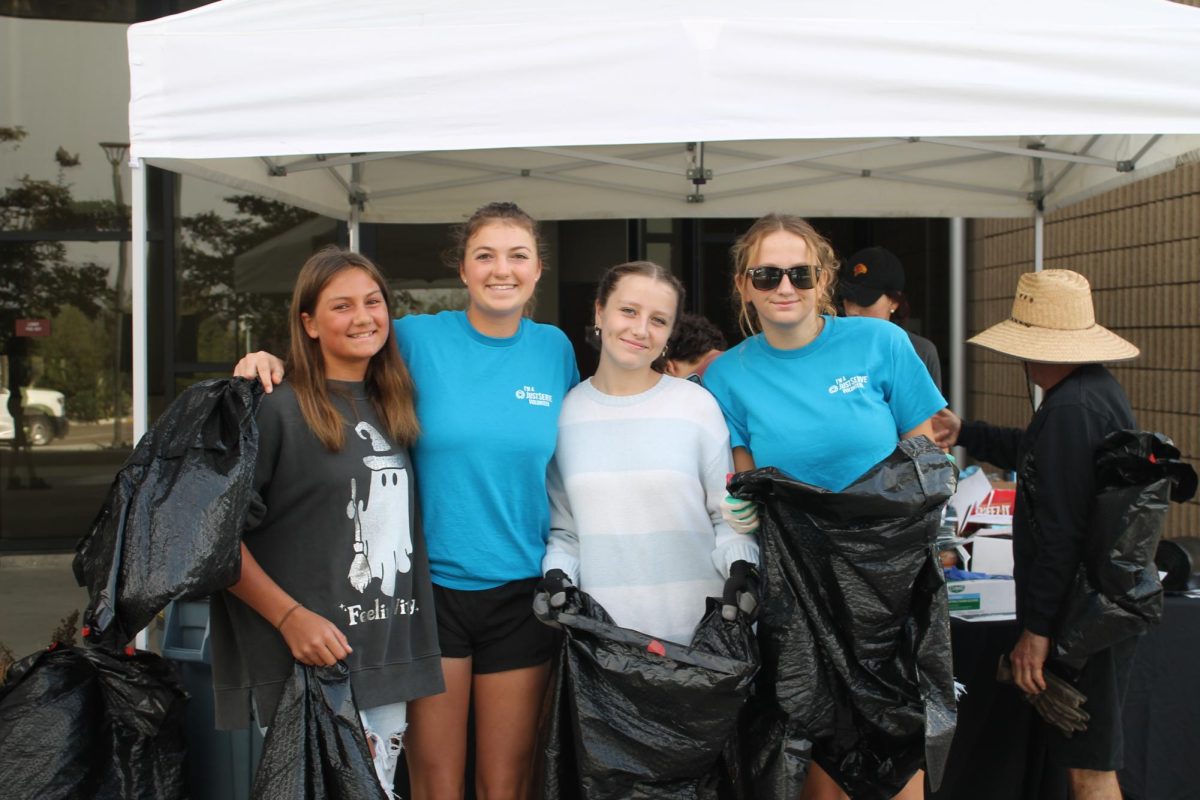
45, 415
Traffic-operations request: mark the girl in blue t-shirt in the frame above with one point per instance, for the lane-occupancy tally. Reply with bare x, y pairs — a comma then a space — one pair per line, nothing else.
820, 397
490, 383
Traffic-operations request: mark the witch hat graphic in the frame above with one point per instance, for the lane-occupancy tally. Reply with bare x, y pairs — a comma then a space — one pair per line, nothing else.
382, 539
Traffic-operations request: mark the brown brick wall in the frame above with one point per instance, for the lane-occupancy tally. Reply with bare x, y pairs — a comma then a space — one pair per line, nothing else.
1139, 246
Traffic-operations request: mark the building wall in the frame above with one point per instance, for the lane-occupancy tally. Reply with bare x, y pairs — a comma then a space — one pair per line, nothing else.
1139, 246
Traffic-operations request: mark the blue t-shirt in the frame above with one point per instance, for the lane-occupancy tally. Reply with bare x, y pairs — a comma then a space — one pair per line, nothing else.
829, 411
489, 421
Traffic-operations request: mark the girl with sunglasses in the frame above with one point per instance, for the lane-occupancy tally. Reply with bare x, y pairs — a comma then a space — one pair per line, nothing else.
823, 398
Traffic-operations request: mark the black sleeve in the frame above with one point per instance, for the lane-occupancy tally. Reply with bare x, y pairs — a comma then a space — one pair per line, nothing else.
270, 434
1065, 491
991, 443
935, 368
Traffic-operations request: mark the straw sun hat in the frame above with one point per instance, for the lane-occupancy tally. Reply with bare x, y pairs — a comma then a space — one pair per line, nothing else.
1053, 322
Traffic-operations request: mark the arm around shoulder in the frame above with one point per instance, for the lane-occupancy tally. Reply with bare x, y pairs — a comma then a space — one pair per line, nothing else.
262, 365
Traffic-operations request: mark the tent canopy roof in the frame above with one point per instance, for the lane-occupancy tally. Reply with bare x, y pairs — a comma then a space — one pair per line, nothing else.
421, 111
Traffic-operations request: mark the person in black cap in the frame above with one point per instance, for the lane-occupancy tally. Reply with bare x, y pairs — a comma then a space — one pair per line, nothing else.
871, 284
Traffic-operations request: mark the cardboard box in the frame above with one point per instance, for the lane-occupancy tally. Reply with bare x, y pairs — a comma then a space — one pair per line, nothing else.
974, 598
992, 554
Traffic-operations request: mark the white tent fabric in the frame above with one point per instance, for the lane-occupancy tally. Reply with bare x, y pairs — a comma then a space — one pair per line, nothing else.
422, 110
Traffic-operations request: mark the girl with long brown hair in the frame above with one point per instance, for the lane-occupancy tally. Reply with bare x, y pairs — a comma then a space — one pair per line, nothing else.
334, 566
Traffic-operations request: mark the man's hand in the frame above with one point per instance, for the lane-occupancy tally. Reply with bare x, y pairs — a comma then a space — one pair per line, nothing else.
1028, 657
262, 365
1061, 704
946, 427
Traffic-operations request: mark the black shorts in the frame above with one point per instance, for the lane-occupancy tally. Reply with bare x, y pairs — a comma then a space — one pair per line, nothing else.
1103, 681
495, 627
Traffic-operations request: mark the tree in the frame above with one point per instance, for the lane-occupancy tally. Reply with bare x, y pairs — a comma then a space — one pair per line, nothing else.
211, 242
36, 278
77, 361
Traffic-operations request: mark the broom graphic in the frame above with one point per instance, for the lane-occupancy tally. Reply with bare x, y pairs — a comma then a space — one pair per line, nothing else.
360, 570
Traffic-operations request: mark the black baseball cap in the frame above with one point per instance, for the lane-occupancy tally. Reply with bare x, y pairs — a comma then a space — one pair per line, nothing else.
867, 274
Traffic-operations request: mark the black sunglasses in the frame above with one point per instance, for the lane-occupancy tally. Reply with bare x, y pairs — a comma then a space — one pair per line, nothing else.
767, 278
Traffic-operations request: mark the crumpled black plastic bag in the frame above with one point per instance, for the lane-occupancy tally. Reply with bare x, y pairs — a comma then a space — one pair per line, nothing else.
80, 722
316, 748
854, 631
171, 525
637, 717
1117, 593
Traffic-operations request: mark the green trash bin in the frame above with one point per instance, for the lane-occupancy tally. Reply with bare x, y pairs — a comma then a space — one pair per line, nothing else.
221, 764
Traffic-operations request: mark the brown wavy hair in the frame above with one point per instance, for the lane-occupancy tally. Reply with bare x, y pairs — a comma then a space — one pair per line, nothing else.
746, 246
500, 211
388, 383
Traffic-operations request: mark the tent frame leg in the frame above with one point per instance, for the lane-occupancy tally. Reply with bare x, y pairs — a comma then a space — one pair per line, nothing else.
141, 387
958, 317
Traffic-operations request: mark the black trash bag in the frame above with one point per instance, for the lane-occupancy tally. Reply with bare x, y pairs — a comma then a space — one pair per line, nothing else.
1116, 592
80, 722
171, 525
316, 748
854, 630
637, 717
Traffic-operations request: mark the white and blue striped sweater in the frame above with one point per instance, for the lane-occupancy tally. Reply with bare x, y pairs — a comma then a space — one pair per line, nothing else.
635, 491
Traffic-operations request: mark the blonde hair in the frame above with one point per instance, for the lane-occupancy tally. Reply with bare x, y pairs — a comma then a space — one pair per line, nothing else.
820, 253
388, 383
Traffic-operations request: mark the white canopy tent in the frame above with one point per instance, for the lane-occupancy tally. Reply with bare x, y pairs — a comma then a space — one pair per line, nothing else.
389, 111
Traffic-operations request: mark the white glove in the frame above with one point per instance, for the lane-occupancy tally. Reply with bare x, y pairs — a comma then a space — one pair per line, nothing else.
741, 515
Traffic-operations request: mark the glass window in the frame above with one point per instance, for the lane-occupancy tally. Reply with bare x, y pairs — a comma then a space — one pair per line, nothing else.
238, 260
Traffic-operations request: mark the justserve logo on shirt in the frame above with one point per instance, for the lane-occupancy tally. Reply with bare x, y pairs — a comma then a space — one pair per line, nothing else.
848, 385
533, 396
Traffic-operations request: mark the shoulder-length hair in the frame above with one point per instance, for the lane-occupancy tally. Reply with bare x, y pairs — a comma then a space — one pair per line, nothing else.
820, 252
388, 383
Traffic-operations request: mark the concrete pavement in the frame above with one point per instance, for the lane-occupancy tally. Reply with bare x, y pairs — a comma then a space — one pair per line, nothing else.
36, 592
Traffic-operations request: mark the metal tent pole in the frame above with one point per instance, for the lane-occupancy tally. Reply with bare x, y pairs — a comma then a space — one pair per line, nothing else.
354, 229
356, 205
141, 390
141, 386
958, 320
1039, 253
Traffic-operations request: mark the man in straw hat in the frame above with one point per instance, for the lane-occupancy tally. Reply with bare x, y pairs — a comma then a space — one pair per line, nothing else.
1053, 331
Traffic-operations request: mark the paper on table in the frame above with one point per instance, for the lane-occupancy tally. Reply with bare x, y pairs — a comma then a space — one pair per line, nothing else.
992, 555
970, 491
994, 509
992, 530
